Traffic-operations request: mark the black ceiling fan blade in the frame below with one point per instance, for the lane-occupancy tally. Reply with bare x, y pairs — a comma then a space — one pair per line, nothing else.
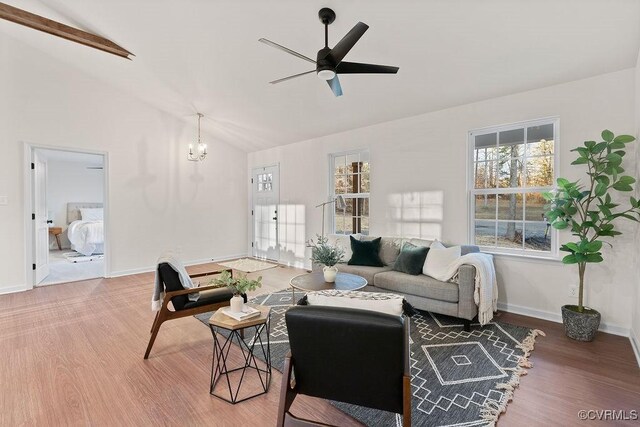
334, 84
360, 68
291, 77
348, 41
286, 49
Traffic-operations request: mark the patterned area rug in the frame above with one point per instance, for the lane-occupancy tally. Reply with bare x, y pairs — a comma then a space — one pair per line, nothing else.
248, 265
458, 378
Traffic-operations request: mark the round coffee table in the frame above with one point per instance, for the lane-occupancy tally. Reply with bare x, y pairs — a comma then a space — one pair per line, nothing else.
315, 282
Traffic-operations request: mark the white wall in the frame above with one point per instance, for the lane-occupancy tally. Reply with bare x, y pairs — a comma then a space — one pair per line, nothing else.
427, 153
635, 322
158, 200
71, 181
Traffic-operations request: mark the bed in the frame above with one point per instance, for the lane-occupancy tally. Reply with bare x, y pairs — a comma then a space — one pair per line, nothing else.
86, 227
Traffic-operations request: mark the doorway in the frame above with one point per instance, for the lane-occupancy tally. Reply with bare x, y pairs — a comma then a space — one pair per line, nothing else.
265, 184
67, 205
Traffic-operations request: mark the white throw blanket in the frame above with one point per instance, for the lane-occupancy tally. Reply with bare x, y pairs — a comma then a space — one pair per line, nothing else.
185, 280
86, 236
486, 290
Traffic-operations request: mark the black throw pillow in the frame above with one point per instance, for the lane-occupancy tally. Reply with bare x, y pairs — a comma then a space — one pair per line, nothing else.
365, 252
411, 259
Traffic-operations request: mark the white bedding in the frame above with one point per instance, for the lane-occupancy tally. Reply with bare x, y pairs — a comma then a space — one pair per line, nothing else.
86, 237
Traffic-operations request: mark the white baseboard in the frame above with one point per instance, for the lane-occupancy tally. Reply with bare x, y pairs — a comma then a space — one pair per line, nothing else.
634, 337
152, 268
13, 289
557, 317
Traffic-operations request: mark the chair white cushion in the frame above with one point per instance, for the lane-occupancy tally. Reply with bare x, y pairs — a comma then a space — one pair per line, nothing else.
439, 258
374, 301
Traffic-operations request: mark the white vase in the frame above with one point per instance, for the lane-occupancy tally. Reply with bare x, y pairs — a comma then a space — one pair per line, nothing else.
330, 274
237, 304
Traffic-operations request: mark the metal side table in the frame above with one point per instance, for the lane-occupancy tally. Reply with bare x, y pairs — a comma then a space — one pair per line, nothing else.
234, 330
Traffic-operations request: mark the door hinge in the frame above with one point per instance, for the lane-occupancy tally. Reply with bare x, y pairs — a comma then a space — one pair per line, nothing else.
252, 180
33, 266
251, 244
33, 166
251, 212
33, 216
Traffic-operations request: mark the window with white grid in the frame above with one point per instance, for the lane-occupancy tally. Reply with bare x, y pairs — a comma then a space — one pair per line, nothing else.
510, 167
350, 178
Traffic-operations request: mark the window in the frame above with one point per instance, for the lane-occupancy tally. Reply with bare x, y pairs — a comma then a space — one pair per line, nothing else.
265, 182
350, 178
511, 166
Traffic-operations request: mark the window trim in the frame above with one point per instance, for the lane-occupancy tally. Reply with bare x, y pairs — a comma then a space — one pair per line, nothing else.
331, 184
554, 253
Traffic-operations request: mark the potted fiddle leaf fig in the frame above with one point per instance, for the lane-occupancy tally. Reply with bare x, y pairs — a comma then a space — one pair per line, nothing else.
588, 210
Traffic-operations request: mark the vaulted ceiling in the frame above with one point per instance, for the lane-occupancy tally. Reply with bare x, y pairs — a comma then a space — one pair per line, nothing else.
204, 55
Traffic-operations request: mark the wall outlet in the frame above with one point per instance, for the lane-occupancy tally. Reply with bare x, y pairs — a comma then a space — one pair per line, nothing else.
573, 291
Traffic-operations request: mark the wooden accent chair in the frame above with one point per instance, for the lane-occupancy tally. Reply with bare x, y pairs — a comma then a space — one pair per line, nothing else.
349, 355
211, 300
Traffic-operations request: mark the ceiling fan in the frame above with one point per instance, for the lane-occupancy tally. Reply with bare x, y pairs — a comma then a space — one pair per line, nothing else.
329, 61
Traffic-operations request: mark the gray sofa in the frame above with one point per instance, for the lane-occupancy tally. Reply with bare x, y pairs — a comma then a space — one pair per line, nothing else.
423, 292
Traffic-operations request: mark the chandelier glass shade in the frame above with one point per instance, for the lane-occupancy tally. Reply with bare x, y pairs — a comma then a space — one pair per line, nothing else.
199, 152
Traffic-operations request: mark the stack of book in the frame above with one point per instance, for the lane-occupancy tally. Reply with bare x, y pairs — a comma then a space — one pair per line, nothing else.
247, 313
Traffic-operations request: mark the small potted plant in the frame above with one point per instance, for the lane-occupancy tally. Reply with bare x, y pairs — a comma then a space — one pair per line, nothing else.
323, 253
590, 213
239, 286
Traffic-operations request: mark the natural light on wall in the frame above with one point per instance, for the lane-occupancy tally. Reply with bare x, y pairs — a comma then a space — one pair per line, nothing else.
416, 214
266, 246
291, 235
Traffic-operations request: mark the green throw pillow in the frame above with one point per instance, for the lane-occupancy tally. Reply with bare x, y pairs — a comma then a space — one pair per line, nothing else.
366, 252
411, 259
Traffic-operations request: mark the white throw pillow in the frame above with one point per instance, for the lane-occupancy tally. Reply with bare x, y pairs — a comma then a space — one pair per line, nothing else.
343, 241
439, 258
92, 214
382, 302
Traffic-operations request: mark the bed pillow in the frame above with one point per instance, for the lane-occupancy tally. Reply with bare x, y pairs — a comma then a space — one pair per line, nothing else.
439, 259
92, 214
411, 259
365, 253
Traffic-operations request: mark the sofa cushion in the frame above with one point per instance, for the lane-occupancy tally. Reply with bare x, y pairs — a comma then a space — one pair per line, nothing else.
469, 249
421, 285
389, 248
362, 271
411, 259
365, 252
343, 241
420, 242
439, 259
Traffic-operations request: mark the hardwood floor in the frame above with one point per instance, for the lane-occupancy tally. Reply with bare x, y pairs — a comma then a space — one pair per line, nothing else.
72, 355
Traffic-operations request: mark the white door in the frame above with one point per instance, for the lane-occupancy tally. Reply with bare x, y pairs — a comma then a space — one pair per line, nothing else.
266, 197
40, 226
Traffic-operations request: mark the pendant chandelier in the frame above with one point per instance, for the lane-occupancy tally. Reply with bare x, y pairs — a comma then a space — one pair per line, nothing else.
200, 152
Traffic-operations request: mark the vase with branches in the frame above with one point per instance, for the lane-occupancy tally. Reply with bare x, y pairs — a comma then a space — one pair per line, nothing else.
589, 211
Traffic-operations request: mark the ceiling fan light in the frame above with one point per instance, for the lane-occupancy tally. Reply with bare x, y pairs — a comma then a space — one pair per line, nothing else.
326, 74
